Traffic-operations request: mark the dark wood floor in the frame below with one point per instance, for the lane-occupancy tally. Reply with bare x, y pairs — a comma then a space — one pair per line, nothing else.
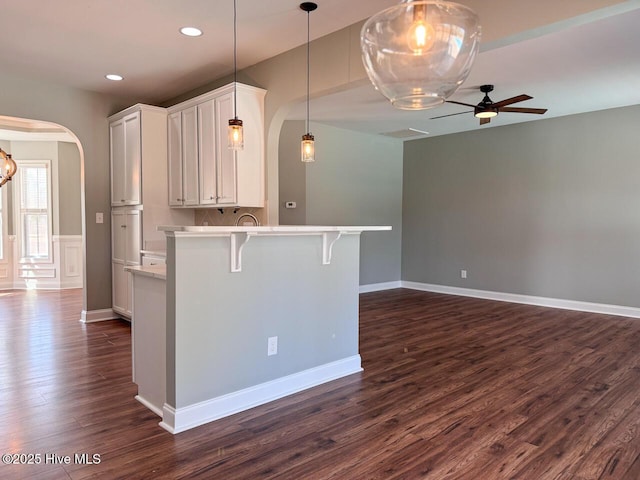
453, 388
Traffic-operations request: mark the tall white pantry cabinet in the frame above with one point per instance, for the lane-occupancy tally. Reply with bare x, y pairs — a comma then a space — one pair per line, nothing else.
139, 201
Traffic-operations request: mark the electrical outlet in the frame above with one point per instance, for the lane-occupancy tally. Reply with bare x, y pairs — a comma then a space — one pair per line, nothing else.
99, 217
463, 274
272, 346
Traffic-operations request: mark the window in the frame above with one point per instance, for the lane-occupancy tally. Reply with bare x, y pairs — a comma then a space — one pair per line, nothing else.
34, 210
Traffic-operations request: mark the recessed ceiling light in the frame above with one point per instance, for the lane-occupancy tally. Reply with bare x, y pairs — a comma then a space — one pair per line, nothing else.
191, 31
114, 77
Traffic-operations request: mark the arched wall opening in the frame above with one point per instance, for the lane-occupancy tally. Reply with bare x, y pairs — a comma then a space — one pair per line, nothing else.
42, 207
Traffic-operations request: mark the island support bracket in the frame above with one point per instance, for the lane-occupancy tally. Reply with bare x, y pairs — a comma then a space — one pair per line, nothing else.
328, 240
238, 241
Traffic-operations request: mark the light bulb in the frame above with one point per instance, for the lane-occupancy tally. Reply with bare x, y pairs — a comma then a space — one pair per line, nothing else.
421, 35
235, 134
308, 148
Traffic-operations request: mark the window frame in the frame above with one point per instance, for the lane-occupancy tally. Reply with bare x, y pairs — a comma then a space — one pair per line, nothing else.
18, 211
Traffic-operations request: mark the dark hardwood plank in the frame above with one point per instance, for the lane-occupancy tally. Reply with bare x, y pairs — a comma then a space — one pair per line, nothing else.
454, 388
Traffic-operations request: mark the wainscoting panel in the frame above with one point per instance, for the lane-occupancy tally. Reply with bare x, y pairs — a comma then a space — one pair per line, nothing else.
63, 271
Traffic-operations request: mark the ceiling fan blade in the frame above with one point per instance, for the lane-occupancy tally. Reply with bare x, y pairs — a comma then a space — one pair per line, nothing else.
509, 101
539, 111
484, 120
460, 103
450, 115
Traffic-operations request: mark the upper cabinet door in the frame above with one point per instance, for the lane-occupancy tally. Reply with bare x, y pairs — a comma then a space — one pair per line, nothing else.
207, 152
133, 159
226, 164
175, 159
117, 149
190, 156
126, 160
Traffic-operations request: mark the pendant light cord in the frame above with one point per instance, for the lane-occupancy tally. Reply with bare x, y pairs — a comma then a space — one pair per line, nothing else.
308, 68
235, 61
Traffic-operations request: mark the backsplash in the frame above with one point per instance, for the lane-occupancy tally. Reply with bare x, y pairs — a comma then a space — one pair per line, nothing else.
213, 217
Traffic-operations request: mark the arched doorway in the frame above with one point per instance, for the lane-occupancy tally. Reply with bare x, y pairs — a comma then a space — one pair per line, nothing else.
41, 210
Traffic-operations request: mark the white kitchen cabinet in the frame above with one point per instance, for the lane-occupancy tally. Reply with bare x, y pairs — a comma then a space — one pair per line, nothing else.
126, 160
224, 177
126, 238
151, 260
183, 157
139, 131
217, 162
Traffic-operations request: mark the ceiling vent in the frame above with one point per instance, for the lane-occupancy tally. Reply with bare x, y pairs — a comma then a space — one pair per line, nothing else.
406, 133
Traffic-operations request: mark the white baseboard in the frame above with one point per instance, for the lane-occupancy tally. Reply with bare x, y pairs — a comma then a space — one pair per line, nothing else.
154, 408
176, 420
377, 287
97, 315
527, 299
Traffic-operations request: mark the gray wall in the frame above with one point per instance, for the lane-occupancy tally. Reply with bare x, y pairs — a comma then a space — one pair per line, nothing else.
85, 114
69, 187
218, 322
547, 208
292, 183
355, 180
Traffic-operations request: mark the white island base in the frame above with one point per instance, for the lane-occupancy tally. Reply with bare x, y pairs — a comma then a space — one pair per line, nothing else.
233, 297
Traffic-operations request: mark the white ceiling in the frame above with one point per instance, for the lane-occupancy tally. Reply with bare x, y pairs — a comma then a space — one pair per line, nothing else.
570, 67
78, 42
585, 67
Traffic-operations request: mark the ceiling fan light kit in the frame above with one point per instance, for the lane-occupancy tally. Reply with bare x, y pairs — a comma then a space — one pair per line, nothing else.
419, 52
487, 108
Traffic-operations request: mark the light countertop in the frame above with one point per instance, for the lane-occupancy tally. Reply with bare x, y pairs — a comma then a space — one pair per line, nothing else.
154, 253
154, 271
268, 229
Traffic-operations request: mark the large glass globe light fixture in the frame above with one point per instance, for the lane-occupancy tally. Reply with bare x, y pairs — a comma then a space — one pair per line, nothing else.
419, 52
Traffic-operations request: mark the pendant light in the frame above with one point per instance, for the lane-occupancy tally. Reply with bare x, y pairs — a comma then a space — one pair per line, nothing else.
419, 52
8, 167
308, 150
235, 131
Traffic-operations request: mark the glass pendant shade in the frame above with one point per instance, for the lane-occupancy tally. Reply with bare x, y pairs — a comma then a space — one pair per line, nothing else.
419, 52
8, 167
308, 148
235, 134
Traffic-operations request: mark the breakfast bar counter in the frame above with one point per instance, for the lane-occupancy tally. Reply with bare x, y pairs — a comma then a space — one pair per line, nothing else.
252, 314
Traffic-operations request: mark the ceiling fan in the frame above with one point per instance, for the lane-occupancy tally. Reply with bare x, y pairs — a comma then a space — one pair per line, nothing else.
487, 109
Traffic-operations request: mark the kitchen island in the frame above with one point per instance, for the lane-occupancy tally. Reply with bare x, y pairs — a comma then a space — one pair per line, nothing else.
251, 314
